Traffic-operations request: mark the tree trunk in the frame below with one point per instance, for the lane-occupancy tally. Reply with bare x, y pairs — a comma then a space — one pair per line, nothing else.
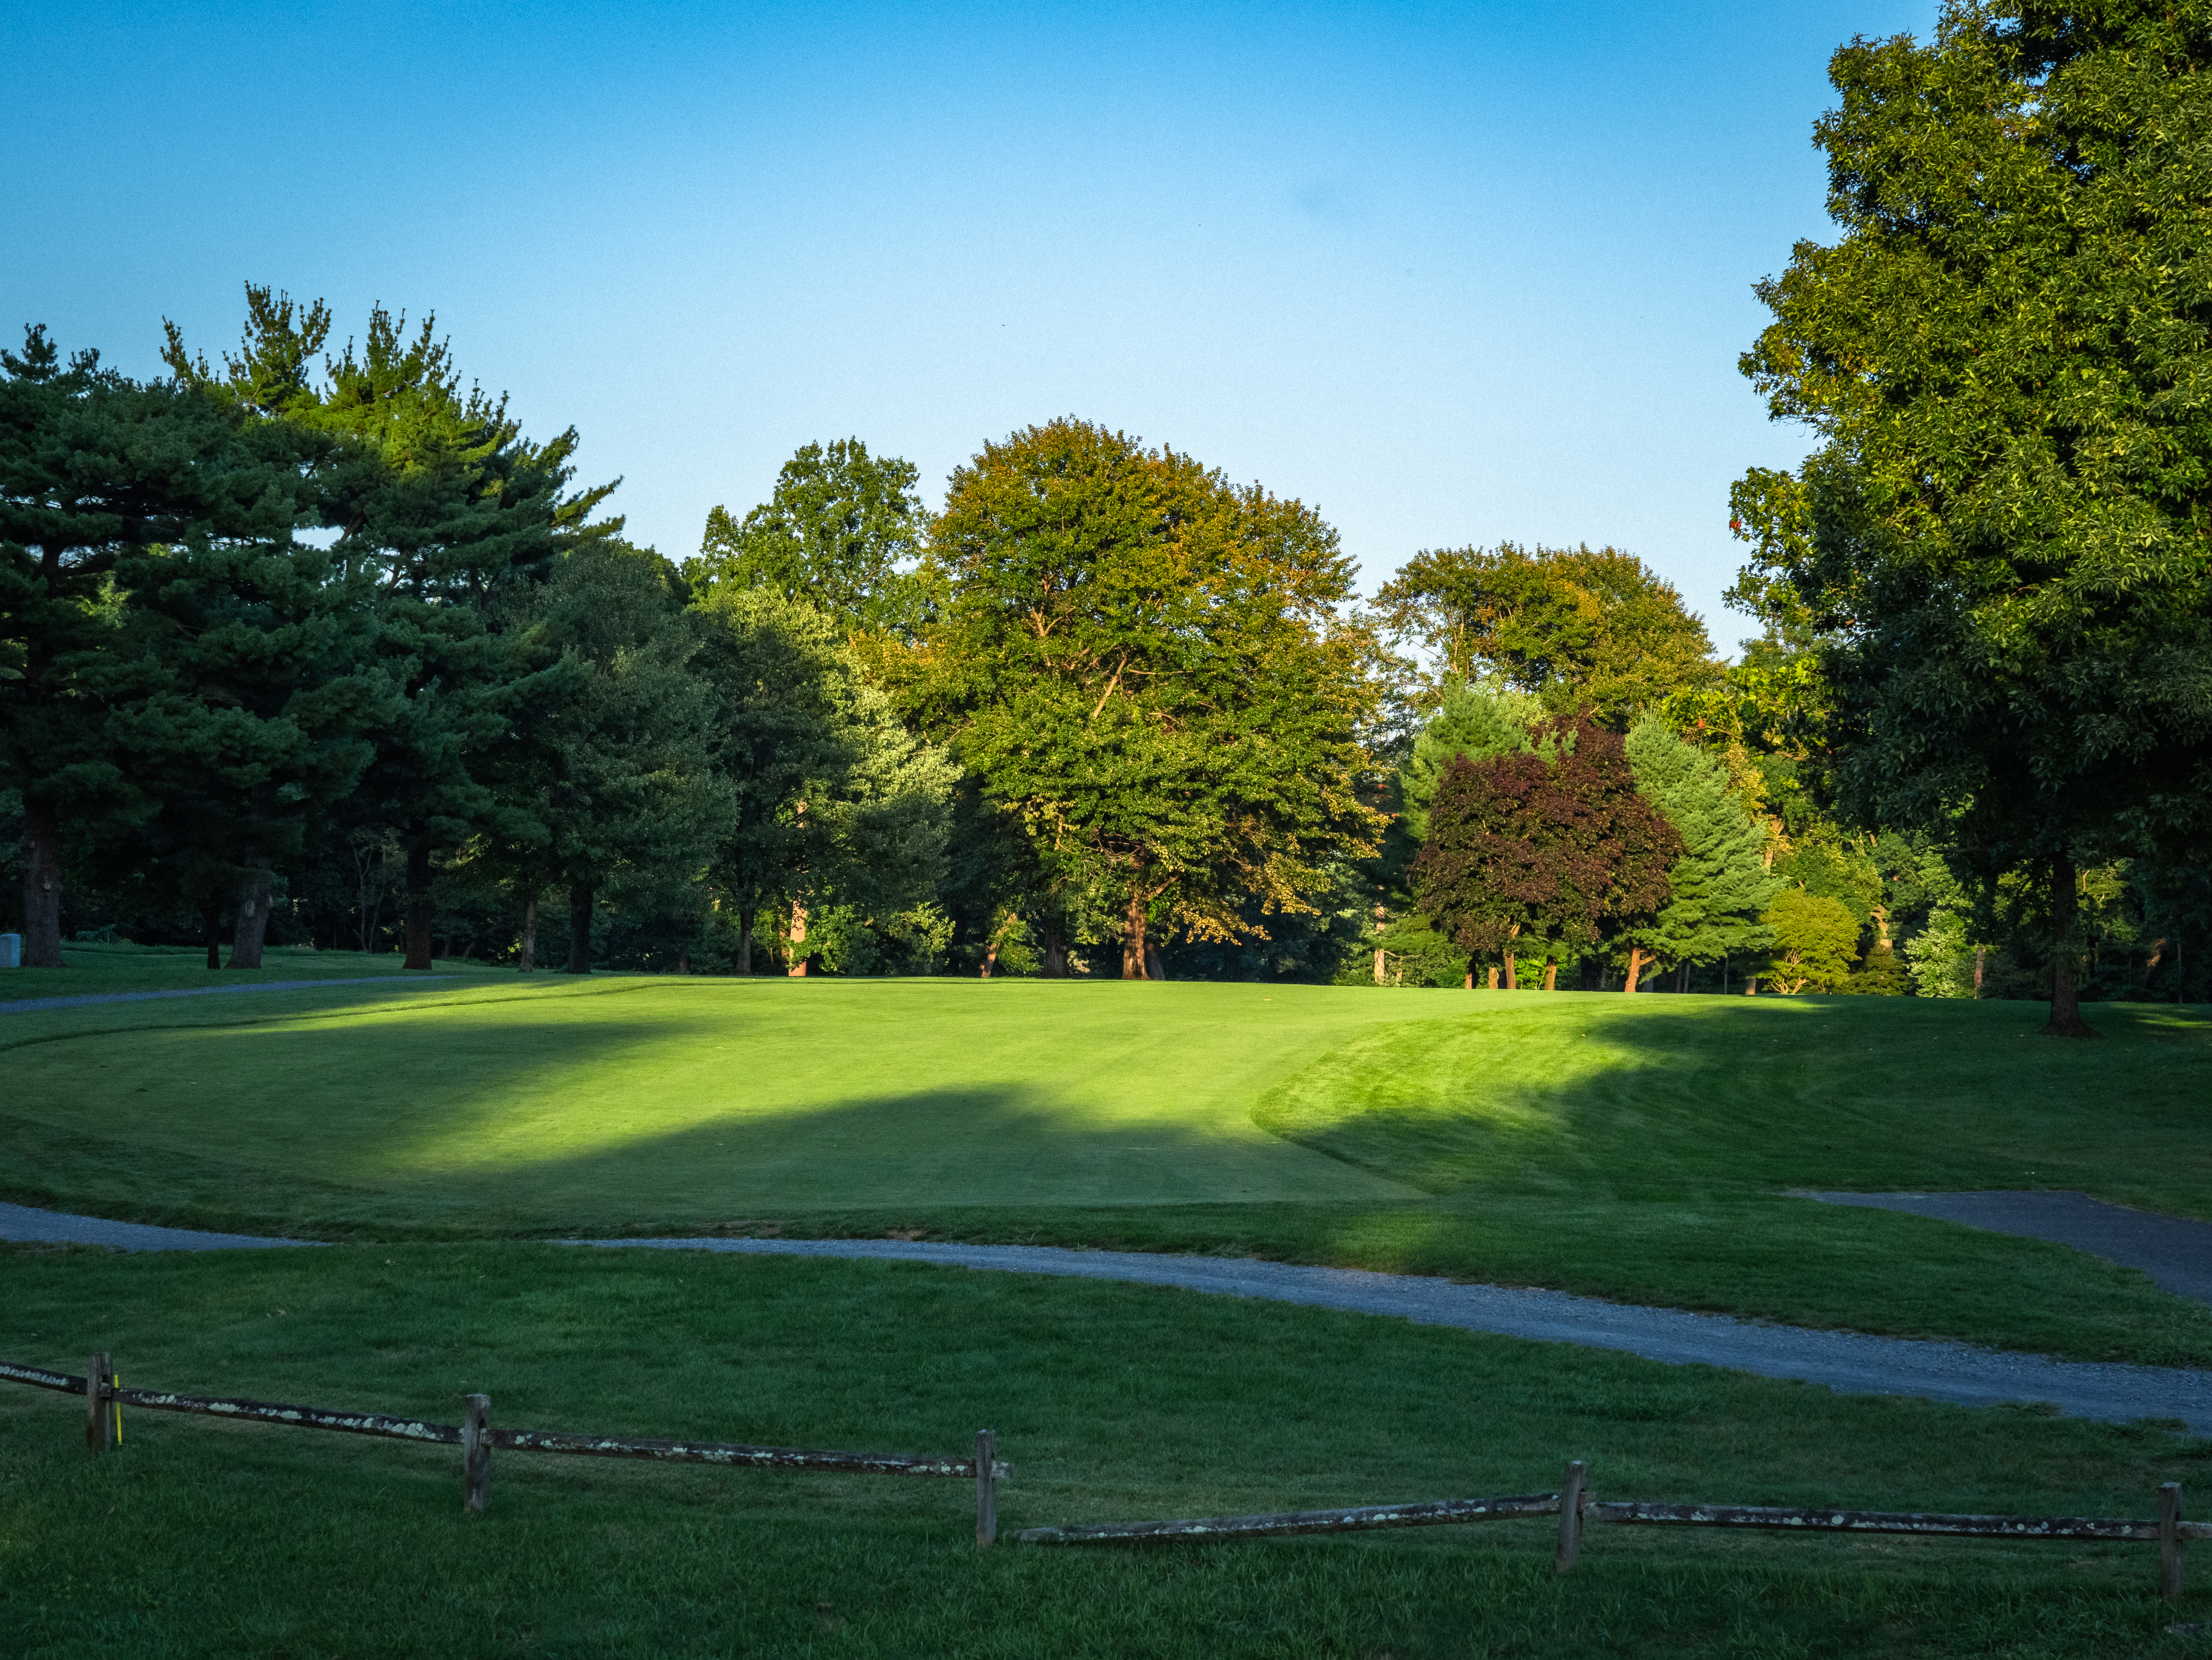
581, 898
1470, 974
1156, 966
1980, 951
745, 939
798, 969
1751, 986
1490, 980
1635, 967
1380, 954
529, 963
419, 909
1550, 974
42, 885
1512, 963
2066, 1020
251, 930
1055, 951
1133, 939
683, 959
211, 923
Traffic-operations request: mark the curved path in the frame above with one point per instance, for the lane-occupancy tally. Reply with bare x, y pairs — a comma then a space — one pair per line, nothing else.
1845, 1360
2174, 1251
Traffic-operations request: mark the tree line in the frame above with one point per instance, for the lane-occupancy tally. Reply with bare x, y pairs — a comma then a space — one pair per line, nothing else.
320, 645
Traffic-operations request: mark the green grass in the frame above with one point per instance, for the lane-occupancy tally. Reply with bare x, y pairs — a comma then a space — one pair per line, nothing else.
199, 1538
92, 970
1638, 1149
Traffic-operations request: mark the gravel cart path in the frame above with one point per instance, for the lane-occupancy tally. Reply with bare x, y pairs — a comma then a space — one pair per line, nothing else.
2174, 1250
23, 1223
1843, 1360
32, 1005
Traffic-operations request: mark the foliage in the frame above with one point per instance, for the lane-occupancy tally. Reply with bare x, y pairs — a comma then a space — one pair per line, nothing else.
841, 532
1718, 888
1552, 845
1942, 957
834, 802
2000, 541
1147, 666
1569, 625
1815, 939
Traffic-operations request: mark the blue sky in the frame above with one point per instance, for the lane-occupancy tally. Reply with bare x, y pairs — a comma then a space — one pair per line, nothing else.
1456, 274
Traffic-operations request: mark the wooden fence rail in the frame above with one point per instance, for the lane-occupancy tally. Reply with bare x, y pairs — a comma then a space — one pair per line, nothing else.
477, 1438
1576, 1509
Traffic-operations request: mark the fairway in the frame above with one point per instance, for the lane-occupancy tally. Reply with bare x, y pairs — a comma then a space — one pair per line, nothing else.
1643, 1149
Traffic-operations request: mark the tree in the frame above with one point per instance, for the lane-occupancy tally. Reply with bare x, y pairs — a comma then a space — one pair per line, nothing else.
455, 511
1148, 666
607, 775
2001, 537
1474, 721
832, 802
1570, 626
1718, 888
841, 532
1814, 941
1550, 846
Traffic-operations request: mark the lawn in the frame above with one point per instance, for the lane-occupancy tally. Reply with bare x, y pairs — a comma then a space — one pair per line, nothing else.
199, 1538
92, 970
1640, 1149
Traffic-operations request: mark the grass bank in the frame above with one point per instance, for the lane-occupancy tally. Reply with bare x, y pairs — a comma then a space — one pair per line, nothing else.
1638, 1148
200, 1538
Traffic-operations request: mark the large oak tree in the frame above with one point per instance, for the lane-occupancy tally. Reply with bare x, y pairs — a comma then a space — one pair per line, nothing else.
2005, 537
1152, 669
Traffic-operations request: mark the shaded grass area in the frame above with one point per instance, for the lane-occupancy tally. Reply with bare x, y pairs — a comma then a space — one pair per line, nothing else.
92, 970
1110, 1402
1635, 1148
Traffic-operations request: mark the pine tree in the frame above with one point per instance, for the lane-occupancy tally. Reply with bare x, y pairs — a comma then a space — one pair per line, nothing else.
1721, 885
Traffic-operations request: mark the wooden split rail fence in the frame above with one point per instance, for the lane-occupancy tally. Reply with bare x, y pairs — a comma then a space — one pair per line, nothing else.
105, 1397
1577, 1508
1575, 1505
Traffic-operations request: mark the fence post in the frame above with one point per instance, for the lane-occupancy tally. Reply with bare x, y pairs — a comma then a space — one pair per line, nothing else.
476, 1450
1570, 1516
103, 1415
987, 1488
2170, 1542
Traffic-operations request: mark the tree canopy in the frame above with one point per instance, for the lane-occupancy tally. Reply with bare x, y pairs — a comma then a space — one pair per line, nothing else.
2002, 538
842, 531
1147, 666
1572, 625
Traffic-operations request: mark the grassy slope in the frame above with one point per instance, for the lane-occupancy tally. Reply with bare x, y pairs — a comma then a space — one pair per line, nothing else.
206, 1539
1638, 1149
91, 970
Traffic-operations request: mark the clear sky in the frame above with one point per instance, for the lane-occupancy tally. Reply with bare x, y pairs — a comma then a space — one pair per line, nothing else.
1454, 274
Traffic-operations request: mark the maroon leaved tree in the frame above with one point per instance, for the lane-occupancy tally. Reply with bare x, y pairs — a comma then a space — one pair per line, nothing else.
1551, 847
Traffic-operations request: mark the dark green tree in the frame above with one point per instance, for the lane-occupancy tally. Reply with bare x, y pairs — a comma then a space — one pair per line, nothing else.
2001, 539
833, 804
456, 511
843, 532
1722, 884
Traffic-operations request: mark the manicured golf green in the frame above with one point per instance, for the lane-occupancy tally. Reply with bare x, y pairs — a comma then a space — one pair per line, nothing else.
202, 1538
1642, 1148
